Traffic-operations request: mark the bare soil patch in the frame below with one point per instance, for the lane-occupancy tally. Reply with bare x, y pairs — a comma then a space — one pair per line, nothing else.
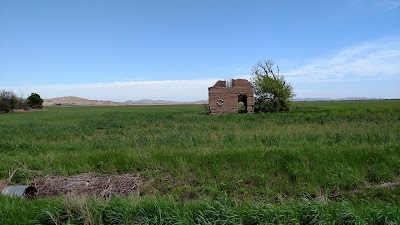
3, 183
368, 186
29, 110
89, 184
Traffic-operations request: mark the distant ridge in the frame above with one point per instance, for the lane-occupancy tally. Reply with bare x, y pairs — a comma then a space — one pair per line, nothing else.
78, 101
149, 101
333, 99
161, 102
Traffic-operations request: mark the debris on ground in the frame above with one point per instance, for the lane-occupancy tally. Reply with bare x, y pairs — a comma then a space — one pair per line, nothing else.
89, 184
3, 183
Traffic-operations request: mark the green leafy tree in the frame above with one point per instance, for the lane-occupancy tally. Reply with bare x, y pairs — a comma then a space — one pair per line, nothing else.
35, 101
272, 92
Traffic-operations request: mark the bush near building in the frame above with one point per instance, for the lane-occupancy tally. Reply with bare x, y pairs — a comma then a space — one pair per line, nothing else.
9, 102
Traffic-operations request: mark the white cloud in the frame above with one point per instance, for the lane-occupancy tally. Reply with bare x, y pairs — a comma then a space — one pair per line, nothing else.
376, 5
377, 60
391, 4
353, 71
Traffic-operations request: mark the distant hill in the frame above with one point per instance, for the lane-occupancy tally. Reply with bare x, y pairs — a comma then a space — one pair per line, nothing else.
332, 99
150, 102
77, 101
161, 102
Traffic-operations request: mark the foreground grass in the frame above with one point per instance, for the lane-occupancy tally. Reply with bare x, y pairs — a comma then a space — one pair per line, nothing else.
338, 153
74, 210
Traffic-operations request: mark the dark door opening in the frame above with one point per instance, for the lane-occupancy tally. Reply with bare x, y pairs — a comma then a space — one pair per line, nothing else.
242, 103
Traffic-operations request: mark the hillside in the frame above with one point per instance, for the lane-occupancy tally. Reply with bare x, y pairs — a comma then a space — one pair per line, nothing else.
77, 101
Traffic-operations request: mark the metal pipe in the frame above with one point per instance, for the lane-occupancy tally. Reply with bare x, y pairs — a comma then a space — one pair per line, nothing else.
23, 191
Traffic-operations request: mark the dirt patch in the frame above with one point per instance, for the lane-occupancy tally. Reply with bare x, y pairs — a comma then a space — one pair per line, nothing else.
29, 110
368, 186
3, 183
89, 184
389, 184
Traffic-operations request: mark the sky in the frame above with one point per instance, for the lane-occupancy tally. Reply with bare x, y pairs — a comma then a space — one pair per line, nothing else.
174, 50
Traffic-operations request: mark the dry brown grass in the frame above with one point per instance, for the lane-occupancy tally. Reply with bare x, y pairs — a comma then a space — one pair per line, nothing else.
89, 184
3, 183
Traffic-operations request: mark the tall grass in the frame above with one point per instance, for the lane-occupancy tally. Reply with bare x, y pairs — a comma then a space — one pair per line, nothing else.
75, 210
317, 148
334, 151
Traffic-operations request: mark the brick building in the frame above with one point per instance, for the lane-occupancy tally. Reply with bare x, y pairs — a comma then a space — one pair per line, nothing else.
231, 96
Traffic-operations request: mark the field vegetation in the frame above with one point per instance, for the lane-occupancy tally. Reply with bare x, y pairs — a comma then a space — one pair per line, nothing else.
321, 162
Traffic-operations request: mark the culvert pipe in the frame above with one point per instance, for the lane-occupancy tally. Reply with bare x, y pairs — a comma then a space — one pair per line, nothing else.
23, 191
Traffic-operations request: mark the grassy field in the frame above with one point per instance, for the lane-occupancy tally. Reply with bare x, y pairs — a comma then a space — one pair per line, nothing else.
322, 162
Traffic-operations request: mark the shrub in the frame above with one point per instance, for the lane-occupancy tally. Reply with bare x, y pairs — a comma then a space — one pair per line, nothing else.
35, 101
8, 101
272, 92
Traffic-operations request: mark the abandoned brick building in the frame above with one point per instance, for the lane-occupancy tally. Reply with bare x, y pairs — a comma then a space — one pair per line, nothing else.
231, 96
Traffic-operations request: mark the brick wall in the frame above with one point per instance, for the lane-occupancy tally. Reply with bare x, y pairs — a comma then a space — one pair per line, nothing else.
224, 100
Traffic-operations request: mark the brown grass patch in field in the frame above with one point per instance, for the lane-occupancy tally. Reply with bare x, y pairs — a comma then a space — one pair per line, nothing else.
89, 184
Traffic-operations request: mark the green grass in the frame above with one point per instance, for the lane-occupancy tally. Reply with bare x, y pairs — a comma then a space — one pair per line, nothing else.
74, 210
319, 150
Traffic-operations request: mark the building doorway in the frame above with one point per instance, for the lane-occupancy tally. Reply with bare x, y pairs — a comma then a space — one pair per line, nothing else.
242, 103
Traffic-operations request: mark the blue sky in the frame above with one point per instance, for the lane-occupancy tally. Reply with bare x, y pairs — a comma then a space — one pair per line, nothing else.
130, 50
